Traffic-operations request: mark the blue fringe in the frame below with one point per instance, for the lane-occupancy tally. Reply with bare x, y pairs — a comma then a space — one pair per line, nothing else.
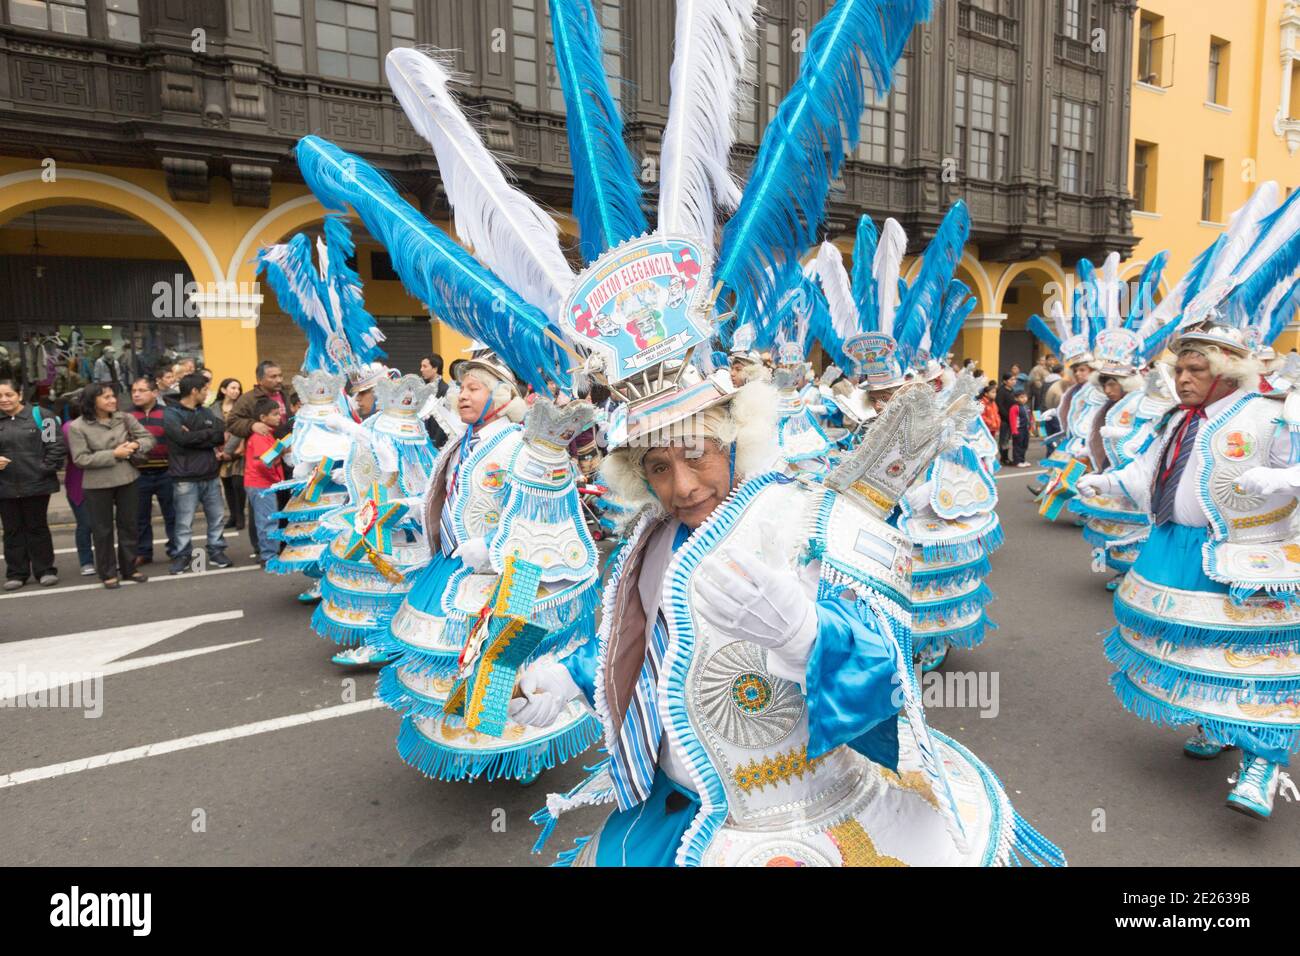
1171, 678
344, 634
953, 574
967, 636
441, 763
1170, 629
958, 605
547, 821
1078, 506
401, 698
568, 857
276, 566
1230, 732
1028, 845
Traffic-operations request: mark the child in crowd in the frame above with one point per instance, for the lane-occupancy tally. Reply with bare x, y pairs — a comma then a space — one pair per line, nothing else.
1021, 423
260, 477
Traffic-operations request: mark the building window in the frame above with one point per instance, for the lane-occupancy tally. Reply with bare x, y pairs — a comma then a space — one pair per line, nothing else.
123, 20
529, 22
288, 34
1144, 176
1151, 50
882, 131
982, 137
401, 22
347, 40
1071, 18
1212, 190
1074, 145
1217, 85
761, 83
57, 16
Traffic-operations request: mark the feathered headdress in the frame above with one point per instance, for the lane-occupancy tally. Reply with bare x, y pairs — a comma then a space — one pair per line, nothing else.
324, 298
897, 328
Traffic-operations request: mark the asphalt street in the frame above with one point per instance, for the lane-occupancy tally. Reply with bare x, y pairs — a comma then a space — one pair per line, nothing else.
228, 737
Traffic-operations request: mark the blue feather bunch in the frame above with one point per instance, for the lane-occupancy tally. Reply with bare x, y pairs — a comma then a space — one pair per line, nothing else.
433, 267
1044, 333
1145, 296
295, 281
804, 147
1247, 297
1201, 266
606, 193
864, 256
357, 325
921, 305
957, 304
1282, 313
1089, 300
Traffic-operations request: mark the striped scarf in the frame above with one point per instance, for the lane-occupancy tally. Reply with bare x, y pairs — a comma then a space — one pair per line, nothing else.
636, 752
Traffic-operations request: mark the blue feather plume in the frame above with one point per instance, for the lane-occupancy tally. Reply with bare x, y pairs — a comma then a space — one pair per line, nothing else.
1090, 299
1250, 294
919, 307
358, 325
803, 149
957, 304
1145, 295
864, 255
433, 268
1282, 313
1200, 267
292, 275
606, 193
1044, 333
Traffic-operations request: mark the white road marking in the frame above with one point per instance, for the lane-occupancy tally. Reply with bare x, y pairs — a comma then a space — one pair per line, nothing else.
33, 774
40, 660
37, 591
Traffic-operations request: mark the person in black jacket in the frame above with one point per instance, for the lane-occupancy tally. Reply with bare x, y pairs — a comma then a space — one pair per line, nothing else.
31, 452
194, 433
431, 371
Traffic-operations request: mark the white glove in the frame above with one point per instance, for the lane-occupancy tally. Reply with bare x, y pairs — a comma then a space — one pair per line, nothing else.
474, 554
1268, 481
1094, 485
748, 600
1049, 415
547, 687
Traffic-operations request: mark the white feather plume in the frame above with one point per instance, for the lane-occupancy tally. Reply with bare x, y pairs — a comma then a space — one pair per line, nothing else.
709, 49
886, 268
507, 231
1057, 314
834, 278
1110, 287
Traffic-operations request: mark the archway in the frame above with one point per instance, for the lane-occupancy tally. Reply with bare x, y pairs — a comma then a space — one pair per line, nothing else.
1025, 289
77, 277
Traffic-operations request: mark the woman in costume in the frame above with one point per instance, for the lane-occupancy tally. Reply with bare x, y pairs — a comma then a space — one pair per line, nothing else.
1208, 631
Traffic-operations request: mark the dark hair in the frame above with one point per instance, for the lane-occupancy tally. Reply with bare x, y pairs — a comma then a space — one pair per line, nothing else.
436, 361
1007, 375
148, 380
88, 396
599, 393
192, 382
11, 383
221, 389
264, 406
263, 365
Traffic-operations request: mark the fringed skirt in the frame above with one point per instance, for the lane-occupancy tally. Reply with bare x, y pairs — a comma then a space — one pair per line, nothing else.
1190, 652
1114, 526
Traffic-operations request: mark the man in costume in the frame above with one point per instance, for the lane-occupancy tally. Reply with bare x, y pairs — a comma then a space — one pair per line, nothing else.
1208, 628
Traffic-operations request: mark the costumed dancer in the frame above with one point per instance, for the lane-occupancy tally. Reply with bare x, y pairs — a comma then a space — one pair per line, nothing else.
951, 515
1123, 428
378, 540
753, 669
501, 494
1208, 628
324, 299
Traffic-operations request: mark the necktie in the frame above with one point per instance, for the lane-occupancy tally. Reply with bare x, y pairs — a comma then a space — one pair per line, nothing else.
636, 753
1167, 482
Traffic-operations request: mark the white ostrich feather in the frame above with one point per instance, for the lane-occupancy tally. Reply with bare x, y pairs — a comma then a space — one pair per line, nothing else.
506, 229
885, 268
834, 278
709, 46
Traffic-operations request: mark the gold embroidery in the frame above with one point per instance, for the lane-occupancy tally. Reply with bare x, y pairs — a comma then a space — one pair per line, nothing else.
1281, 658
1268, 517
774, 770
856, 846
1286, 710
912, 780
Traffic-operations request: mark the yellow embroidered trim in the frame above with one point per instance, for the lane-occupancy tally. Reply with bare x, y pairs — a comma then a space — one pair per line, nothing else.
474, 705
774, 770
856, 846
872, 495
912, 780
1255, 521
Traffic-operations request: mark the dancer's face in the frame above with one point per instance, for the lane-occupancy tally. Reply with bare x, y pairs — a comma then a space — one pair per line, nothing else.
1194, 381
474, 396
690, 481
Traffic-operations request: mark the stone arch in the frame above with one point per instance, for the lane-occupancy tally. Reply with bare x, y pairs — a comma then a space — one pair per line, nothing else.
23, 191
1043, 264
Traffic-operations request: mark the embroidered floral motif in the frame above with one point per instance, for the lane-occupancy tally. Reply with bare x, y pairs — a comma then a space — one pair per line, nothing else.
780, 768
